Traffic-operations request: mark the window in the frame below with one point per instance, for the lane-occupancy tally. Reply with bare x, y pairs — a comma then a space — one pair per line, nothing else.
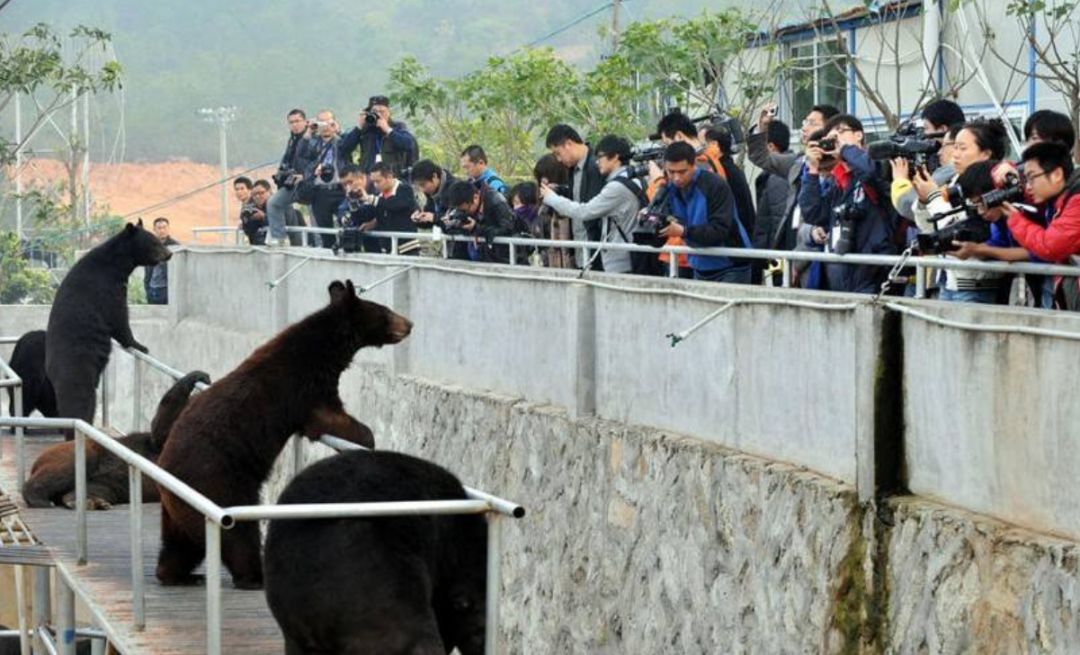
816, 79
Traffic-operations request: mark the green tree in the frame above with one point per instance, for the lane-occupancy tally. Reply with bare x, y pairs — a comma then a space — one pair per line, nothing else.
19, 282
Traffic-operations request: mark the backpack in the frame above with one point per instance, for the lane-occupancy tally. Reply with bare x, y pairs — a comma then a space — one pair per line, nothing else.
636, 189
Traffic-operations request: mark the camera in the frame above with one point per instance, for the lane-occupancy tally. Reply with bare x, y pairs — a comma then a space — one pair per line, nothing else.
653, 218
281, 178
827, 144
370, 118
911, 142
973, 228
247, 214
327, 174
1011, 192
845, 215
638, 171
454, 222
647, 152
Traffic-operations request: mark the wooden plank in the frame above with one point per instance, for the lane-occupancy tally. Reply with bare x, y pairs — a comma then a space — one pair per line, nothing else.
175, 616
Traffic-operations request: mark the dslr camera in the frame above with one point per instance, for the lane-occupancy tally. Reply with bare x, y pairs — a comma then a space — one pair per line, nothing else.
281, 178
912, 143
653, 218
370, 118
454, 222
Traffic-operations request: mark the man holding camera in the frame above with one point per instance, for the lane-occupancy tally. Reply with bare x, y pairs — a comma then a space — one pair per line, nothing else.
1051, 183
483, 213
389, 209
381, 139
435, 181
290, 173
616, 206
702, 213
253, 213
323, 174
842, 196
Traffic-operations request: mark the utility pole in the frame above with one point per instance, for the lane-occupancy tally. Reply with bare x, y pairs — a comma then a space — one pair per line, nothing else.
18, 165
222, 116
616, 5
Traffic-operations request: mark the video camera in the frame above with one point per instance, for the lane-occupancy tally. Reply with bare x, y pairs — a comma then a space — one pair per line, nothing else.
641, 155
973, 227
653, 218
912, 143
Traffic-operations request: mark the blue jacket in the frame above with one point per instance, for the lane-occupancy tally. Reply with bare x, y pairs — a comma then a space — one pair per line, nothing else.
491, 179
707, 210
855, 183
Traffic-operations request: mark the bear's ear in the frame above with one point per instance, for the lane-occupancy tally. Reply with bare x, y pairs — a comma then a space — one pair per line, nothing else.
337, 291
350, 288
129, 229
140, 222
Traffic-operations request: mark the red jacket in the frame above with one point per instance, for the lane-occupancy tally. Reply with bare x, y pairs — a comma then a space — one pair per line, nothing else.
1060, 239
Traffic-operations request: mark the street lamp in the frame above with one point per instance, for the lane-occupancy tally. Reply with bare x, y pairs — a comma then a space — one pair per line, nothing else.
222, 116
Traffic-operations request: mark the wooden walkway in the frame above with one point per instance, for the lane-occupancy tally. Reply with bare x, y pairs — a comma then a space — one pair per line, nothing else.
175, 616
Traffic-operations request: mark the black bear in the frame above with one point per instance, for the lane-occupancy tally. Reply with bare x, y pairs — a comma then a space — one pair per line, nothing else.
89, 310
52, 478
226, 440
389, 585
28, 361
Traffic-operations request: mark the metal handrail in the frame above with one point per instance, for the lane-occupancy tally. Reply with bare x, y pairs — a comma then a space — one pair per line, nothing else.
10, 379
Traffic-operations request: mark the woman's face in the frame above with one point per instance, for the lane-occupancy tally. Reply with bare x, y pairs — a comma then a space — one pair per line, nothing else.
966, 151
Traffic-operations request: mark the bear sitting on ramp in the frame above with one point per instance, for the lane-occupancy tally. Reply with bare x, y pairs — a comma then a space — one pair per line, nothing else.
28, 361
225, 443
90, 309
52, 478
391, 585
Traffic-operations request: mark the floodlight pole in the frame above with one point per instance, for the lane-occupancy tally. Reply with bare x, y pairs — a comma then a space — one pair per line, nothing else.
222, 116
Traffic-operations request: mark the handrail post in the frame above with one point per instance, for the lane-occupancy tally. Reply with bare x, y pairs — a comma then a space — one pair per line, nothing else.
80, 494
920, 281
673, 265
106, 388
494, 583
136, 395
42, 605
20, 440
513, 253
66, 601
138, 592
785, 273
213, 588
393, 245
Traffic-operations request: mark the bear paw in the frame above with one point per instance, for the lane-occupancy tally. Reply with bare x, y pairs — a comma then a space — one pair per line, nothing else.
93, 503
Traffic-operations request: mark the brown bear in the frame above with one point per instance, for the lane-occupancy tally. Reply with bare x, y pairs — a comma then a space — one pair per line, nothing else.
226, 440
52, 478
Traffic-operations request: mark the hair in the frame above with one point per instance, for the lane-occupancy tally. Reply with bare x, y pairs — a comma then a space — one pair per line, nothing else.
978, 178
680, 151
549, 168
560, 134
243, 181
990, 134
674, 123
779, 135
943, 112
350, 169
846, 120
460, 192
722, 136
161, 219
1051, 126
424, 170
614, 146
953, 130
296, 112
526, 192
475, 153
383, 168
264, 184
826, 111
1050, 155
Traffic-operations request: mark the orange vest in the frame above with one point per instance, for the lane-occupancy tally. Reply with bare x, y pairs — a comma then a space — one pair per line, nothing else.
709, 159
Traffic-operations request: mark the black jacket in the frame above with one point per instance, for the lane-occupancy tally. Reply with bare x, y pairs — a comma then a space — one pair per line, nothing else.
398, 148
298, 154
318, 150
740, 189
439, 204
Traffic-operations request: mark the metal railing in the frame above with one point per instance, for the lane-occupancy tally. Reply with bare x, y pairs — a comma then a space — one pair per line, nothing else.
921, 264
11, 381
219, 518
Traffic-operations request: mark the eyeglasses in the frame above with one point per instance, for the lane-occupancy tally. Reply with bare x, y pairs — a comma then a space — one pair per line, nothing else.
841, 130
1028, 179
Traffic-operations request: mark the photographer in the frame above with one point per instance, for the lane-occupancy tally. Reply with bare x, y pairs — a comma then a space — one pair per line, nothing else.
938, 118
771, 190
435, 182
785, 165
389, 209
616, 206
702, 212
280, 212
844, 199
979, 140
482, 213
1051, 183
718, 142
549, 172
474, 162
585, 180
381, 139
253, 213
323, 173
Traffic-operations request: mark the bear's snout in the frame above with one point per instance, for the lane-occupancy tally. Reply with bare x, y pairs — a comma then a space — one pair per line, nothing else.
399, 327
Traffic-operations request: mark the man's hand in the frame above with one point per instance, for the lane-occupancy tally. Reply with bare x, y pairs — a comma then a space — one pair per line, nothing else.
846, 137
384, 125
673, 229
924, 184
259, 214
423, 217
545, 190
1002, 171
818, 235
294, 179
814, 155
901, 170
368, 226
967, 250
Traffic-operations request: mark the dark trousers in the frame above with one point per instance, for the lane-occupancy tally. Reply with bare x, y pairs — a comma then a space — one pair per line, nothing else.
324, 202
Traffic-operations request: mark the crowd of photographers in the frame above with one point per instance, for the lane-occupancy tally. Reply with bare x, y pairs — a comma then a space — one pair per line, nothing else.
941, 185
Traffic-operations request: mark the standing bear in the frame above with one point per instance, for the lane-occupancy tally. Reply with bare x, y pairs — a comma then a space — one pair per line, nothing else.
28, 362
226, 440
89, 311
52, 478
392, 585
